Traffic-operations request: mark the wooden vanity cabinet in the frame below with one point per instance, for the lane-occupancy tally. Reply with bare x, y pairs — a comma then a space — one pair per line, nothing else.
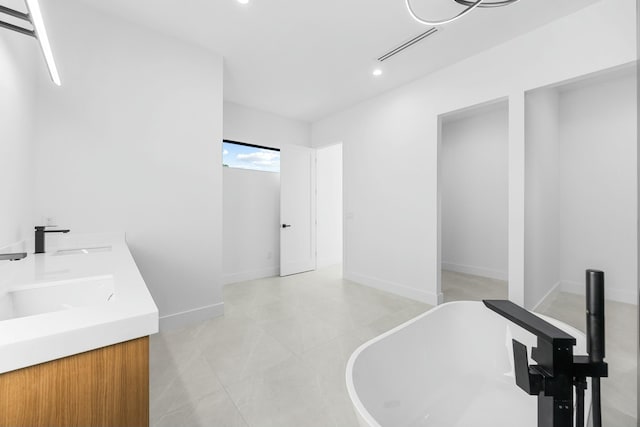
108, 386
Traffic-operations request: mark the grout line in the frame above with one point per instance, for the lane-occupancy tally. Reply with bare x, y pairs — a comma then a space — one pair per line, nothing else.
548, 297
224, 388
235, 405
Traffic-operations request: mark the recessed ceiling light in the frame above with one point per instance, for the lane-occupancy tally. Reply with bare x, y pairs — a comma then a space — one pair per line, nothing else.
377, 72
243, 1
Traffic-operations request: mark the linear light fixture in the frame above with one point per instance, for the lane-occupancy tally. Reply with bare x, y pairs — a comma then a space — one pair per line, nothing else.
34, 17
470, 5
408, 44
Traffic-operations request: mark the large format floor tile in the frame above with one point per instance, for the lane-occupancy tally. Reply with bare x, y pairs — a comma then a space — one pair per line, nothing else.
277, 358
215, 409
466, 287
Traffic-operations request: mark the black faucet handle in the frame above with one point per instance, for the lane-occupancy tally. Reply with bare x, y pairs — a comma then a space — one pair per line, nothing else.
43, 229
524, 318
528, 381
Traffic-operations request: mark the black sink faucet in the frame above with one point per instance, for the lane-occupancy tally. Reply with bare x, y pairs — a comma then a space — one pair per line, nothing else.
558, 370
40, 230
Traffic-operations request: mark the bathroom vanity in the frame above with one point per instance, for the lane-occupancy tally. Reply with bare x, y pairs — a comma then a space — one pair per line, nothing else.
74, 336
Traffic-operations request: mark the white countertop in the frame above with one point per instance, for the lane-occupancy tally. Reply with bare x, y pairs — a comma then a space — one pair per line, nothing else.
129, 313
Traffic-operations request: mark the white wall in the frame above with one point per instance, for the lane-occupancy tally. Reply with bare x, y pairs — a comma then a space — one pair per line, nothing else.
132, 142
474, 192
542, 202
251, 218
18, 65
329, 205
245, 124
251, 232
390, 145
598, 193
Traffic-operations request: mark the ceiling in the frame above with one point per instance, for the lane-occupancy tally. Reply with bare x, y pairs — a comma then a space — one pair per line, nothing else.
306, 59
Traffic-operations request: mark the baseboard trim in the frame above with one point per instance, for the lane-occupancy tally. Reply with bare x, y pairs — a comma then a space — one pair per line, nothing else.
554, 290
179, 320
610, 294
476, 271
395, 288
250, 275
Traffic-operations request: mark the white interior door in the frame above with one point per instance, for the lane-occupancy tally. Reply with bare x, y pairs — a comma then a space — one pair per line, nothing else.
297, 210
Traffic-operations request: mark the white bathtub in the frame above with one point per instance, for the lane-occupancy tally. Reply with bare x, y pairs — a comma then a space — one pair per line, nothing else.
449, 367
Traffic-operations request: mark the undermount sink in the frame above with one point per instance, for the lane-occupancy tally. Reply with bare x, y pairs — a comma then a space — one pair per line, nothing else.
82, 251
56, 296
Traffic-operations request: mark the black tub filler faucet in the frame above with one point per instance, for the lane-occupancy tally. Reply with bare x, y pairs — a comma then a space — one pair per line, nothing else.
558, 371
39, 237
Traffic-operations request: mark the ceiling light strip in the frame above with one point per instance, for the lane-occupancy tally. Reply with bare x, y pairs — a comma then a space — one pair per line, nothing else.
408, 44
41, 34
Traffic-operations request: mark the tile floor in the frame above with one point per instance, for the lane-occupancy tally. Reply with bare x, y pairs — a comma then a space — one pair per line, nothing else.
278, 356
465, 287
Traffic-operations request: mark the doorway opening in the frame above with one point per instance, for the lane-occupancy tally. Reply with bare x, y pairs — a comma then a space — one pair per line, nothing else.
282, 210
311, 208
250, 211
473, 188
581, 186
581, 213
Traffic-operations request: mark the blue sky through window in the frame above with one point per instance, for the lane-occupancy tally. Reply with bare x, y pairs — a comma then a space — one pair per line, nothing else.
246, 157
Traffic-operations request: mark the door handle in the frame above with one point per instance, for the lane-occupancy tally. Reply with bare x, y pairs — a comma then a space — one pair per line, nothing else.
286, 225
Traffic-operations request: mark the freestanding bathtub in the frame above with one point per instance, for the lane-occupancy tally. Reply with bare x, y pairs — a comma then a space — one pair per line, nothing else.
449, 367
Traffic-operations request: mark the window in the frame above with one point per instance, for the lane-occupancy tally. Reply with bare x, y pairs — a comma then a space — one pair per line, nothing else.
247, 156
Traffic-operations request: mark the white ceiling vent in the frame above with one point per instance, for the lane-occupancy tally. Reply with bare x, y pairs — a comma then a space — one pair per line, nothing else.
409, 43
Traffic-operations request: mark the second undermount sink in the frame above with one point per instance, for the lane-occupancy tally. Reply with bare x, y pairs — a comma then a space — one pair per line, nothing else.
56, 296
82, 251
